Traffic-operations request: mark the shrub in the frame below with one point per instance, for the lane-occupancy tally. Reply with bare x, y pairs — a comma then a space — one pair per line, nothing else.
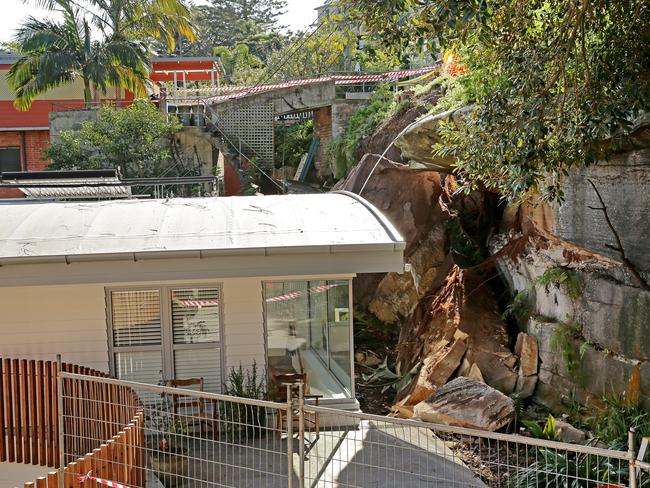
240, 422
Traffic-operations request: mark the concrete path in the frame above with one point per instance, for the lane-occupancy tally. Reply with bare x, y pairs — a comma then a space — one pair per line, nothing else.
385, 455
370, 456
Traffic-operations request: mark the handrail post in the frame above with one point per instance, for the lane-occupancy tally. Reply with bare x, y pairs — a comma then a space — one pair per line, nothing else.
59, 401
289, 438
632, 456
301, 435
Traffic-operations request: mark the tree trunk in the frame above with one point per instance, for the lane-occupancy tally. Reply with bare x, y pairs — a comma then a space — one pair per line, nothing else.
88, 96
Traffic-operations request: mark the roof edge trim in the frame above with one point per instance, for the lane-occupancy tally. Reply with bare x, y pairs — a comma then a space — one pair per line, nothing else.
381, 218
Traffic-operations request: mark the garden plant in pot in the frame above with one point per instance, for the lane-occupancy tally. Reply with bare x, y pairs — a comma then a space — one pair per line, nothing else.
169, 456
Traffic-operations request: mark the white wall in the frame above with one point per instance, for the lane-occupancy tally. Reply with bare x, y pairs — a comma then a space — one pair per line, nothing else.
243, 323
39, 322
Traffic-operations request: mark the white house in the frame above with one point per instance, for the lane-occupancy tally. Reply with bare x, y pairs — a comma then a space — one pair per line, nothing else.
151, 289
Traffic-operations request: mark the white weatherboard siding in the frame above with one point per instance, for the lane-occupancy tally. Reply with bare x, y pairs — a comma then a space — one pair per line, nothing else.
39, 322
244, 324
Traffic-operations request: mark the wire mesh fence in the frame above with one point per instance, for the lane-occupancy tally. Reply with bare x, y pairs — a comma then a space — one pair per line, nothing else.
360, 450
137, 436
179, 437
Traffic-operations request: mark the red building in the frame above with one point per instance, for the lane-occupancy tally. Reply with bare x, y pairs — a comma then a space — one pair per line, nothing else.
25, 135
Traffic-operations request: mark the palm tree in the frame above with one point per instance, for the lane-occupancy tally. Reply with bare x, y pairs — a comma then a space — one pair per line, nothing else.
162, 20
58, 53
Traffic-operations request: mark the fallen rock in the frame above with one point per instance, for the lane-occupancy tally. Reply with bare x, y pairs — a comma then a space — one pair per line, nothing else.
526, 385
528, 352
367, 358
496, 370
436, 370
466, 402
458, 302
569, 433
410, 199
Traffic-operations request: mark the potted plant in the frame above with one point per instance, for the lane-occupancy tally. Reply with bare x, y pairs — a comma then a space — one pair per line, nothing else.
168, 458
170, 463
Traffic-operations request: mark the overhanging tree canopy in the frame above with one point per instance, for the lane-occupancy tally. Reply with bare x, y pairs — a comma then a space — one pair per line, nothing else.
550, 80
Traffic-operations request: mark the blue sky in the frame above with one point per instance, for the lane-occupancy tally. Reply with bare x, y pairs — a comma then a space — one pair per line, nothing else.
299, 15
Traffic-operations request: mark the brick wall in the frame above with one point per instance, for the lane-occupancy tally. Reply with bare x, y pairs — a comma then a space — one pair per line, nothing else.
36, 142
322, 130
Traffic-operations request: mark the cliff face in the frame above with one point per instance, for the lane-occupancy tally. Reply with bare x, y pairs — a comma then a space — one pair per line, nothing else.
584, 305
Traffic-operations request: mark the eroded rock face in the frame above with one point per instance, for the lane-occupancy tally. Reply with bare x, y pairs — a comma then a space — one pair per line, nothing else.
410, 200
458, 309
466, 402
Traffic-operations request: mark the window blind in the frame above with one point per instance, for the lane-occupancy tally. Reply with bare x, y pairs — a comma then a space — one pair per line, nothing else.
200, 363
136, 318
195, 315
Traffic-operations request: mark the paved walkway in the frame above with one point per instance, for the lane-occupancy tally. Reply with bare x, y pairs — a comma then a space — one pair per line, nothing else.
370, 456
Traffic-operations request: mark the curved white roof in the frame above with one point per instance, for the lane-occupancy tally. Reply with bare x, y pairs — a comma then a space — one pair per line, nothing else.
47, 231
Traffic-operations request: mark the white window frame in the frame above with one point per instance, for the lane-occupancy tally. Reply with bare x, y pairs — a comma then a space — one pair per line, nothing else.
167, 346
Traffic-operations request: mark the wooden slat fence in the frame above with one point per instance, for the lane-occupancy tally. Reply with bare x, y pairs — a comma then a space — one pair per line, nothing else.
120, 459
94, 413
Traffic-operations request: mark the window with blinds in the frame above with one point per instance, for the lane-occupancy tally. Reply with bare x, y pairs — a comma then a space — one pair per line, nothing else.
136, 318
195, 315
167, 333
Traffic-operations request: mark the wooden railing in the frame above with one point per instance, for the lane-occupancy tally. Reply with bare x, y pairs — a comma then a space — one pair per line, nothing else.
28, 412
99, 419
120, 460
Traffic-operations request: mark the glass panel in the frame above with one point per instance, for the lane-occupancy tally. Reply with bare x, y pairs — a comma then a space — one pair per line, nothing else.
339, 331
199, 363
136, 317
318, 340
308, 334
140, 366
195, 315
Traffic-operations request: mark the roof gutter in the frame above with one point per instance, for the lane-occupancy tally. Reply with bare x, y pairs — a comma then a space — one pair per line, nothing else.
203, 253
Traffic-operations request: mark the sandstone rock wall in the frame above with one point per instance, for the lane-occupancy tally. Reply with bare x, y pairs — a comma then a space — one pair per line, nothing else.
589, 345
624, 183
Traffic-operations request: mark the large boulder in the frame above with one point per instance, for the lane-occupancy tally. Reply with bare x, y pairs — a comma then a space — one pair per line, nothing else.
466, 402
459, 308
417, 140
410, 199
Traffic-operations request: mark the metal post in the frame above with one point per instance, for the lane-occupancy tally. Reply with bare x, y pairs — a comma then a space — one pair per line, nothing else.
632, 456
59, 402
301, 434
289, 438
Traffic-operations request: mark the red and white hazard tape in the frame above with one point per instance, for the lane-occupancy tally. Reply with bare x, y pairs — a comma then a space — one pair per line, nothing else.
297, 294
85, 477
338, 80
199, 303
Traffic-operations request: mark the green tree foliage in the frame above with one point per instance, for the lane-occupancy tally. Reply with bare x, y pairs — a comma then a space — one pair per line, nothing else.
550, 81
132, 139
232, 22
292, 142
58, 53
152, 20
241, 67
